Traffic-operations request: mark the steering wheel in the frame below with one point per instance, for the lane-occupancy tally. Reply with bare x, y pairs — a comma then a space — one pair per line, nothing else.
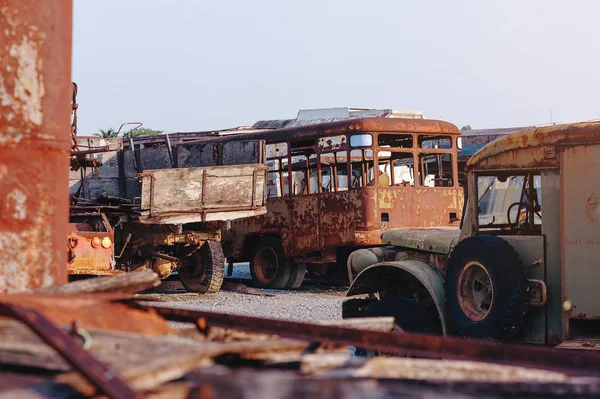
524, 205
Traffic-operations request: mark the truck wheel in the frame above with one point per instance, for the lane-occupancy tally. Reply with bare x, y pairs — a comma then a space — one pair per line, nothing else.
297, 276
486, 288
203, 270
268, 266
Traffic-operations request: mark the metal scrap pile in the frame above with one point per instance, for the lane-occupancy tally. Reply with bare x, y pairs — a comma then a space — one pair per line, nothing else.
94, 338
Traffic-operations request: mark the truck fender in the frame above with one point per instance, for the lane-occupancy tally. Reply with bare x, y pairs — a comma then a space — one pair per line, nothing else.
403, 274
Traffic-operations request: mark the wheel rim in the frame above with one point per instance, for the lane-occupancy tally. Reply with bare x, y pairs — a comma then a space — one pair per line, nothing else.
475, 291
265, 265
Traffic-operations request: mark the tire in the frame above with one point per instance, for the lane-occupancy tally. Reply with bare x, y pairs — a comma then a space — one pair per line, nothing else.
296, 276
486, 289
409, 316
269, 266
203, 270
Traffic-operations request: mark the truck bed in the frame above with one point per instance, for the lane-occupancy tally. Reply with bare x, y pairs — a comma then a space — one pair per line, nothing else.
188, 195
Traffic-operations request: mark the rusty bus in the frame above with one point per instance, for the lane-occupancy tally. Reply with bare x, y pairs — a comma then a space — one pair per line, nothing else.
523, 264
334, 187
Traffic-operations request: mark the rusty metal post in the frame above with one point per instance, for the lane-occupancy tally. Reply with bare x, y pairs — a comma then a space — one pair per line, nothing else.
35, 93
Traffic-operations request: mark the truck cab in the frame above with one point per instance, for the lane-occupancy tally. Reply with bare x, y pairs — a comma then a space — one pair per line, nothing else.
523, 265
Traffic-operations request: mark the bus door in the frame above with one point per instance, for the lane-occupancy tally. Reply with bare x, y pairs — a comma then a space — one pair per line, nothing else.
336, 207
305, 214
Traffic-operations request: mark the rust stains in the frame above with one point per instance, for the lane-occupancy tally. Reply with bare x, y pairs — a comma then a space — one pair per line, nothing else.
533, 148
35, 86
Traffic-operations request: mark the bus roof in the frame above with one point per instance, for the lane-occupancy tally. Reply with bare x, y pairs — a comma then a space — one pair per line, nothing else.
399, 125
358, 125
533, 147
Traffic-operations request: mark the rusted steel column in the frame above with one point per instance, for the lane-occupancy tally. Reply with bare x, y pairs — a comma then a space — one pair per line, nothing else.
35, 90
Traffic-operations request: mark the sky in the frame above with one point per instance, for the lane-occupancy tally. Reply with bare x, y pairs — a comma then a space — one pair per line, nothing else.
199, 65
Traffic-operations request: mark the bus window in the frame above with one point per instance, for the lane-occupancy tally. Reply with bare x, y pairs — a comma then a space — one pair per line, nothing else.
435, 170
304, 172
273, 179
362, 167
385, 168
327, 173
341, 165
402, 170
277, 176
395, 140
361, 140
435, 142
332, 143
276, 150
285, 176
299, 175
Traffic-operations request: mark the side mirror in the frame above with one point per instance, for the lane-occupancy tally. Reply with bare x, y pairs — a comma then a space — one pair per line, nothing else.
459, 143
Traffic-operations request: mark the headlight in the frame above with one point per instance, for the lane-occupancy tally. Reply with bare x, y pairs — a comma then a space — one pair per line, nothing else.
96, 242
106, 242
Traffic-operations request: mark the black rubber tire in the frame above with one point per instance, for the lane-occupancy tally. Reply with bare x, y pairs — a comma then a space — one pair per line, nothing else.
203, 270
283, 265
509, 288
296, 276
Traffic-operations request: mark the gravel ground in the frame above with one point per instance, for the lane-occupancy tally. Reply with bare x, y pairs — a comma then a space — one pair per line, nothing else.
311, 302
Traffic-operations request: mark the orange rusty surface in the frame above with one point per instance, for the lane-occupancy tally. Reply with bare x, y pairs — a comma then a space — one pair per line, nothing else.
35, 89
309, 223
88, 259
533, 148
93, 311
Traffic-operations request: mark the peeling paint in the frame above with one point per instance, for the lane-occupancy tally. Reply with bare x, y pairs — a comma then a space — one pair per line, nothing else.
29, 84
34, 142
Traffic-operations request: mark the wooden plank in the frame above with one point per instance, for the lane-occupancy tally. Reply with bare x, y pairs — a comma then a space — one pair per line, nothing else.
363, 323
126, 283
338, 365
144, 362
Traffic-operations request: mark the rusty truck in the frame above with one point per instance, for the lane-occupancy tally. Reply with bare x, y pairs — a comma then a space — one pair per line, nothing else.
524, 263
158, 204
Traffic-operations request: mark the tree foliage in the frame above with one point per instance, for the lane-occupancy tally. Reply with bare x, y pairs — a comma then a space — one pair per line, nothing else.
107, 133
143, 131
139, 132
466, 127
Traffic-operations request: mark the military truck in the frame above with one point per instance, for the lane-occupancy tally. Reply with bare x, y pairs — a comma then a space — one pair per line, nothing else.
515, 269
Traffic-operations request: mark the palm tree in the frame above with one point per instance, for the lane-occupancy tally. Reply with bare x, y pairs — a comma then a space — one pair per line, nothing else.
107, 133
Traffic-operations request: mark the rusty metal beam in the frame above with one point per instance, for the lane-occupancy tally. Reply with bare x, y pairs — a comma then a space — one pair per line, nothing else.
35, 140
407, 343
92, 369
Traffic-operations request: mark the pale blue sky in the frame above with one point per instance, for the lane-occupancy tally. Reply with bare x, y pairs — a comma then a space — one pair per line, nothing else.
195, 65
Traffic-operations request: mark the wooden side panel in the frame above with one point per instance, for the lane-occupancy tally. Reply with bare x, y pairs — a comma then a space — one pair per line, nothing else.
202, 189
